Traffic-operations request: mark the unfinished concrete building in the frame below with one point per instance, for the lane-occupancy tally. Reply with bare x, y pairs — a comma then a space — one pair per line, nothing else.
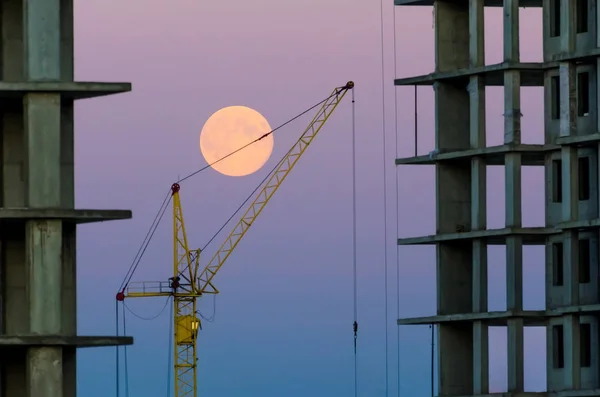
38, 326
569, 155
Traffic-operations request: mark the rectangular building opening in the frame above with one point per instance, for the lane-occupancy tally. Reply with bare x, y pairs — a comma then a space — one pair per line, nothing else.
584, 177
582, 16
585, 275
555, 18
557, 265
557, 181
558, 347
555, 97
583, 94
585, 345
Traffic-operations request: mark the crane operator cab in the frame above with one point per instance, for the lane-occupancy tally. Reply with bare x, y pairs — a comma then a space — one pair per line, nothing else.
187, 329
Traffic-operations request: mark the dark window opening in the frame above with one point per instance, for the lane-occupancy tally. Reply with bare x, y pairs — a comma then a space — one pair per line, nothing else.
582, 16
557, 181
558, 347
583, 171
555, 18
555, 97
557, 265
584, 261
585, 345
583, 94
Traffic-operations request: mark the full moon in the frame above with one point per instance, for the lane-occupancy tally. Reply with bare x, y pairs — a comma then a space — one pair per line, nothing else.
229, 129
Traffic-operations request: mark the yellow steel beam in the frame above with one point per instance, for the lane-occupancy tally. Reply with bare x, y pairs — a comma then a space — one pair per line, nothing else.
204, 281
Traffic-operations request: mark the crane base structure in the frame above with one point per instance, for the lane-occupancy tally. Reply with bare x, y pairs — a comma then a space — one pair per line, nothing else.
38, 219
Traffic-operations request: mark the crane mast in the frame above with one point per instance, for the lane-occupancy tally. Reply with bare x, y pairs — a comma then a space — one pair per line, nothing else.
186, 285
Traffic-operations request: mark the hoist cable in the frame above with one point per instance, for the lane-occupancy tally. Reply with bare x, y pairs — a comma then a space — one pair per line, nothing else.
159, 218
416, 121
147, 318
210, 319
146, 241
118, 392
385, 219
397, 183
258, 139
125, 358
354, 243
432, 359
241, 206
167, 199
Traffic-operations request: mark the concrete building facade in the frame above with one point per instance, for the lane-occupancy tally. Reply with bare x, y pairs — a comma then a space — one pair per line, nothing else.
38, 219
569, 155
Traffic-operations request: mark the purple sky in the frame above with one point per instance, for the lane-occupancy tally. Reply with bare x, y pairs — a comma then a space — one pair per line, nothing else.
284, 316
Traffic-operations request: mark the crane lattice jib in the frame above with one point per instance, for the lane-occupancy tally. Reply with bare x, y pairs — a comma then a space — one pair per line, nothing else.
186, 286
204, 282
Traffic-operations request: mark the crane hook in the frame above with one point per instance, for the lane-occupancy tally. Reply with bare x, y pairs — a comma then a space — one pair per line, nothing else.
355, 327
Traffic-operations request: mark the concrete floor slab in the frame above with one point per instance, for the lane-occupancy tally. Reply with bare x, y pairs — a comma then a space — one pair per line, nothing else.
68, 89
531, 74
579, 140
73, 215
487, 3
531, 155
530, 235
532, 318
498, 318
54, 340
583, 224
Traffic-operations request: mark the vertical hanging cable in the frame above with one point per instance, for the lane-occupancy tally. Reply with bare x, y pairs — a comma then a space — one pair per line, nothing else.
396, 155
432, 357
355, 324
125, 358
117, 349
416, 121
385, 256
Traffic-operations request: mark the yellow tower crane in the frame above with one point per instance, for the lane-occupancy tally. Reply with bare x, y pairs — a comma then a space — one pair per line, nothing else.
187, 284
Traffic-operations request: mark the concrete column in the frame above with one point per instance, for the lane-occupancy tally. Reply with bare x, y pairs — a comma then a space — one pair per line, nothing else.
570, 198
454, 210
568, 27
42, 39
42, 140
514, 294
514, 250
478, 197
12, 41
476, 33
512, 107
44, 240
568, 127
511, 31
13, 274
67, 179
66, 40
512, 166
42, 119
450, 35
572, 371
